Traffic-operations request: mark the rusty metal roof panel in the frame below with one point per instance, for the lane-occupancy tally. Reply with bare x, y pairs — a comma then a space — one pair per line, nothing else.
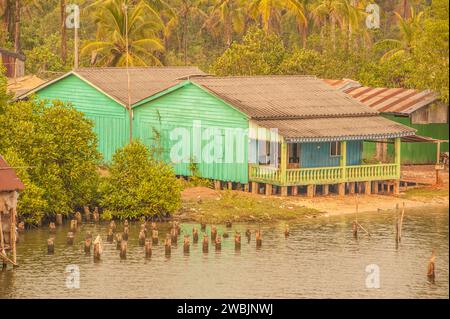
386, 100
282, 97
335, 129
9, 181
144, 81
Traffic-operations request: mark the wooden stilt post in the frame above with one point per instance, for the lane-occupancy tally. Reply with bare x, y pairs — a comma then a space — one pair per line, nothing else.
216, 184
254, 188
13, 236
294, 190
396, 187
351, 188
230, 185
246, 188
268, 189
341, 189
2, 243
310, 191
375, 187
360, 186
367, 188
438, 158
284, 191
325, 189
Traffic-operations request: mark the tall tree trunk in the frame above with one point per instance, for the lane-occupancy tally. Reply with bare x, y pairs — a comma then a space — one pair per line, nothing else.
17, 27
8, 19
228, 30
185, 36
405, 9
63, 31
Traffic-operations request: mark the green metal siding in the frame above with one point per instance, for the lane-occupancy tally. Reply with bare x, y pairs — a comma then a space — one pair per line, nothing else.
415, 153
179, 109
110, 118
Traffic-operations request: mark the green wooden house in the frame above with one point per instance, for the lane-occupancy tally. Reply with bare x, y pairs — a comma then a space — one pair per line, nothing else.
283, 134
287, 134
421, 110
102, 95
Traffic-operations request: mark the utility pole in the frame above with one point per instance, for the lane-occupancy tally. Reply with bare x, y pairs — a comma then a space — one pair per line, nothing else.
130, 111
76, 40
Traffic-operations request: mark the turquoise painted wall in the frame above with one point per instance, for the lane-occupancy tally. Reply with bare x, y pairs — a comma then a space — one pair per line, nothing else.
318, 154
178, 110
415, 153
110, 118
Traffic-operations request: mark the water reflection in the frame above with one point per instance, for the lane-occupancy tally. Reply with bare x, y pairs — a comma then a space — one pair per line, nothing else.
319, 259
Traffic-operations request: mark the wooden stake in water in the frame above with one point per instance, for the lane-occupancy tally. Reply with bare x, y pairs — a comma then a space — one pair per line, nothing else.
401, 222
430, 273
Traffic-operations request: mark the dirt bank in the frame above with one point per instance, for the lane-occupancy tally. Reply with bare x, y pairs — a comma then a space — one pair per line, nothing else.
205, 204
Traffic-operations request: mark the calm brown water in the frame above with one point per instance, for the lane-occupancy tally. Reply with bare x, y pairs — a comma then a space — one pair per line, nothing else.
320, 259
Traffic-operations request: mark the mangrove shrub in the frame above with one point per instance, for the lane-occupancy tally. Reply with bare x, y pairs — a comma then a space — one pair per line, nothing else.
57, 150
139, 185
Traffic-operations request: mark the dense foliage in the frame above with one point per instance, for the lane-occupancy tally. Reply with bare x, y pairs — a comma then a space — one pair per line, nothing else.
327, 38
55, 152
139, 185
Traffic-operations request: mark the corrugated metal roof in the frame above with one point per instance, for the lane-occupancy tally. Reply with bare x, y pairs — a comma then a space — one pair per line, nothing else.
335, 129
385, 100
145, 81
8, 178
21, 85
281, 97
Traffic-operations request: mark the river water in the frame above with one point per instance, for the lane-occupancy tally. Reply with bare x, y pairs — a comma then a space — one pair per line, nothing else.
320, 259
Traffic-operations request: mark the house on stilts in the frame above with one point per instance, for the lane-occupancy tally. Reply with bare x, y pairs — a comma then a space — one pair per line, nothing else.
291, 134
283, 135
10, 186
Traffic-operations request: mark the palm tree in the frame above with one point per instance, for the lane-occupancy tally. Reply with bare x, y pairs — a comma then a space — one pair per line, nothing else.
270, 11
408, 28
118, 19
226, 15
185, 11
328, 13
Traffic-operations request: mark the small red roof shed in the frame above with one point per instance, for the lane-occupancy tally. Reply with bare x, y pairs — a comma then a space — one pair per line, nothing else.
9, 181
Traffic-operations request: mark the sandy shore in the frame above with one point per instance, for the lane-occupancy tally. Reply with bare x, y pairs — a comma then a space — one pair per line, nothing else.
335, 205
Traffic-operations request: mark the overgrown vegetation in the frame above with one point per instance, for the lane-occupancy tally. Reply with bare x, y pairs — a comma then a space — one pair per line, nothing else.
425, 193
54, 149
243, 207
138, 185
319, 37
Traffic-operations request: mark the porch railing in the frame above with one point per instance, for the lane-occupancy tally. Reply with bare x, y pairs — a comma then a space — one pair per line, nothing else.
324, 175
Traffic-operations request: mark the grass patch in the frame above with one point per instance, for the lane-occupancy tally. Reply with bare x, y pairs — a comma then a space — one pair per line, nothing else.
242, 207
425, 192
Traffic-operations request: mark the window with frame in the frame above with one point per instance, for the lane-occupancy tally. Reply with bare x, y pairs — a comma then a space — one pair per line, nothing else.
335, 149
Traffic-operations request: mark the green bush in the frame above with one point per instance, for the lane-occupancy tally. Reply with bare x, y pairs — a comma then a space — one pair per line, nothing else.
138, 185
58, 147
31, 205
